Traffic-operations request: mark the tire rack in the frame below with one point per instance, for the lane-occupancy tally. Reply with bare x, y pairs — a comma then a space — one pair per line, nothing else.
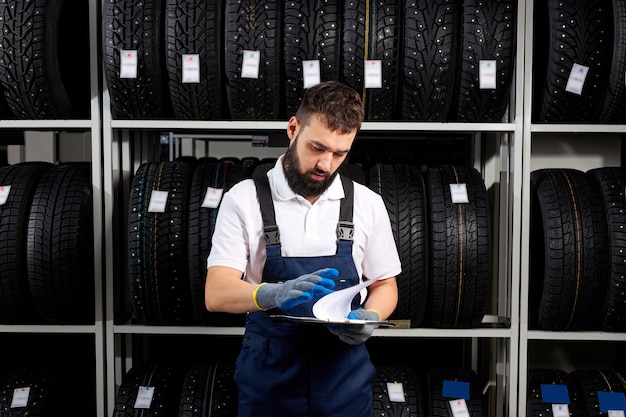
500, 330
92, 126
509, 336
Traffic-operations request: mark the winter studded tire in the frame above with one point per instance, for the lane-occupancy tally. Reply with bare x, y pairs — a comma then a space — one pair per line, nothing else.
157, 243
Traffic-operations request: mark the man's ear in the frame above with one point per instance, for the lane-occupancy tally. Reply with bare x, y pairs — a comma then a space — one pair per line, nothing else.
293, 126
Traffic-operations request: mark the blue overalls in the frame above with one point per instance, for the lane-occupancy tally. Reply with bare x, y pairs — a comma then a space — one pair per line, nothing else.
291, 369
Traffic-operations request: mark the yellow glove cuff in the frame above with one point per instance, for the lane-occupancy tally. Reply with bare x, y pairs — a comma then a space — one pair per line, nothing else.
374, 311
254, 293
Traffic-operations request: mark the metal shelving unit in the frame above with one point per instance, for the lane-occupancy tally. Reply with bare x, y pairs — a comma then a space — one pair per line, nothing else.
533, 342
497, 342
93, 126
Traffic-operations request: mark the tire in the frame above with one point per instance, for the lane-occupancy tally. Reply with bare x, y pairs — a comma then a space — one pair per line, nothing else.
614, 105
569, 255
536, 407
429, 59
438, 405
206, 176
592, 381
569, 32
209, 391
611, 182
460, 249
16, 304
488, 33
254, 26
312, 32
372, 31
166, 383
354, 171
195, 27
157, 244
131, 25
59, 249
401, 187
40, 397
413, 406
36, 71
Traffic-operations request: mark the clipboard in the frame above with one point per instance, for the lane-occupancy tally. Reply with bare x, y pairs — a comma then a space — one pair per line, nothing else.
349, 322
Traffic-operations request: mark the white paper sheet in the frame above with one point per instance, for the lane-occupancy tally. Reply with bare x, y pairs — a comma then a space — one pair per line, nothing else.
337, 305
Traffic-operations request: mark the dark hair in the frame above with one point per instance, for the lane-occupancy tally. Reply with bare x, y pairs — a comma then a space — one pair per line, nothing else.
335, 103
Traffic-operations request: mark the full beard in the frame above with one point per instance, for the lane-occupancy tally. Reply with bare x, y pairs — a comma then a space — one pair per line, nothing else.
301, 182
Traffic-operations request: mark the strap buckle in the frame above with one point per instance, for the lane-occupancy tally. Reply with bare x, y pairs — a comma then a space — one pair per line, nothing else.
271, 234
345, 231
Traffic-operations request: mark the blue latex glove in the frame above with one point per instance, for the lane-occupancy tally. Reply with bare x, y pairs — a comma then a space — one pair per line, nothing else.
356, 334
296, 291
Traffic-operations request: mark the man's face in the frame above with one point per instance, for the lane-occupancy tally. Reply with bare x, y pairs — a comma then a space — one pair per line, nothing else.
314, 155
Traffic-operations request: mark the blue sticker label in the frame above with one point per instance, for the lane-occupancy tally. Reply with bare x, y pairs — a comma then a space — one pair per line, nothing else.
611, 401
456, 389
554, 394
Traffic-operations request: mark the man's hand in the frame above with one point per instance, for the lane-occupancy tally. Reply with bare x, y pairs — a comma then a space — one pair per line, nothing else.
293, 292
356, 334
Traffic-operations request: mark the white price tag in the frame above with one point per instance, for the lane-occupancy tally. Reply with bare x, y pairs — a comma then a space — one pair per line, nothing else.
191, 68
4, 193
487, 74
128, 63
615, 413
251, 64
144, 397
373, 74
459, 408
311, 73
212, 197
560, 410
20, 397
576, 79
458, 193
396, 392
158, 200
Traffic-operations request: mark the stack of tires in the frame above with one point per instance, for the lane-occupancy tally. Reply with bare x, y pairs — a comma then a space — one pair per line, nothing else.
424, 60
585, 391
209, 390
444, 243
44, 59
46, 244
579, 61
577, 257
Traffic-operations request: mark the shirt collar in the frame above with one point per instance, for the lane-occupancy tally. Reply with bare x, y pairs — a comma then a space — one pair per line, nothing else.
283, 192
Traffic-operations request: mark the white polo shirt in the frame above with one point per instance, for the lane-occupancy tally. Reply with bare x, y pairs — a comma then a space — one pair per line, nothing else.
305, 229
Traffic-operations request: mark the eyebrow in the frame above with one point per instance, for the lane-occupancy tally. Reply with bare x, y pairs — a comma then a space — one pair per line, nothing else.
321, 145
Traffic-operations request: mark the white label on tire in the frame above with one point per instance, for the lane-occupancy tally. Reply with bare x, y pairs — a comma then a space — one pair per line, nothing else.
373, 73
459, 408
158, 201
576, 79
311, 72
560, 410
250, 64
20, 397
144, 397
396, 392
487, 74
4, 193
191, 68
128, 63
212, 197
458, 193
